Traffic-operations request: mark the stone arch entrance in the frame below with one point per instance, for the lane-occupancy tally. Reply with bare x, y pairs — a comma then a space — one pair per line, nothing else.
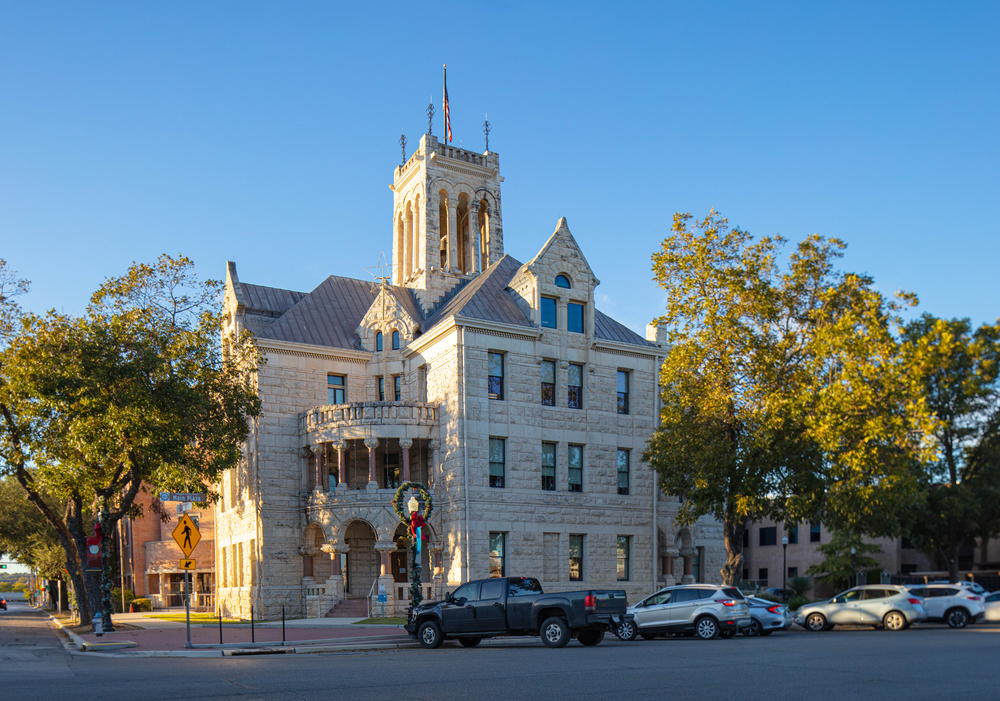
362, 560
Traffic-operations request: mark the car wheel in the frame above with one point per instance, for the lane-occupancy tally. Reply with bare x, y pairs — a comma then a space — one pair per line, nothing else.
591, 637
706, 628
957, 618
751, 630
648, 636
626, 630
815, 622
894, 620
727, 634
429, 635
555, 632
470, 642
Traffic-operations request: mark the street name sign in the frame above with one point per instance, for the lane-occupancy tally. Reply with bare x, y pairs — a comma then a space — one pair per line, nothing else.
183, 496
186, 535
187, 563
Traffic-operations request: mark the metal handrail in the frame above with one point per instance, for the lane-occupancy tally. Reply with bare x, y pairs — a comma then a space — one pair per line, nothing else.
368, 599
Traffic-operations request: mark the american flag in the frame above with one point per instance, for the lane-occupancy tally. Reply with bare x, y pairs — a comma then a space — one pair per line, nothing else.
447, 110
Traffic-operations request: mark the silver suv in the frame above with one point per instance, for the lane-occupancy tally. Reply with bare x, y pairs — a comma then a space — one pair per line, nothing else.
704, 610
954, 604
886, 606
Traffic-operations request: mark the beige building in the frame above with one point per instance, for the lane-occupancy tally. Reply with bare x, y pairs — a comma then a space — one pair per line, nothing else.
496, 383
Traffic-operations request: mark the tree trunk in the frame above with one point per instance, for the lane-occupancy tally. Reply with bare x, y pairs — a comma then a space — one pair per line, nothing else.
88, 595
732, 534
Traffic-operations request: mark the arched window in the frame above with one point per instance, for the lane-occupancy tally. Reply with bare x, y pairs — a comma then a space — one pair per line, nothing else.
562, 281
395, 340
378, 341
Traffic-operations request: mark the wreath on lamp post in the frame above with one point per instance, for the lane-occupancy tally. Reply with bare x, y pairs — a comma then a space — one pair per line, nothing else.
414, 520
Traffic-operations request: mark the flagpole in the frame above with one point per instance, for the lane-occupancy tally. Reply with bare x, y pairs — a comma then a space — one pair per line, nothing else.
444, 106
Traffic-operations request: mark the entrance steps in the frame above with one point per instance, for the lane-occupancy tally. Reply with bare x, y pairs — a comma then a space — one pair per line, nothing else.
349, 608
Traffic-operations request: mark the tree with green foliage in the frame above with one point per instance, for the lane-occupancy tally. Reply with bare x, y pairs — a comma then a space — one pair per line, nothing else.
958, 368
141, 390
839, 566
783, 392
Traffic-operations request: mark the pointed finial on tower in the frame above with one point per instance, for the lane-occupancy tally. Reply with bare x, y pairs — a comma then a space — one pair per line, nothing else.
430, 117
486, 130
402, 145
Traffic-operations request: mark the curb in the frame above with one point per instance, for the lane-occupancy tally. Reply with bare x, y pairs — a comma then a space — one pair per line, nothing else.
84, 646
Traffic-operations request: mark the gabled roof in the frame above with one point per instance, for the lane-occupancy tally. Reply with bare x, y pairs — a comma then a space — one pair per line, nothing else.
485, 297
269, 299
610, 330
327, 316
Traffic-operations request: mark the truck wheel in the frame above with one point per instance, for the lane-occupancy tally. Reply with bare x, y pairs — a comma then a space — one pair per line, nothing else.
429, 635
591, 637
554, 632
470, 642
626, 630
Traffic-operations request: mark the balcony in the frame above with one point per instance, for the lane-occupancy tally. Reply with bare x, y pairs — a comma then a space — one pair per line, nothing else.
369, 419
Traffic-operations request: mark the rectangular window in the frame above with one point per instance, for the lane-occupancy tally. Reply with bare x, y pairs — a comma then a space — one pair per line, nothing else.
497, 559
623, 391
769, 536
623, 557
575, 454
397, 388
574, 387
239, 562
548, 383
549, 466
495, 380
746, 542
574, 317
746, 574
793, 572
390, 470
575, 558
496, 462
793, 534
696, 565
623, 469
381, 389
548, 312
762, 576
814, 531
336, 389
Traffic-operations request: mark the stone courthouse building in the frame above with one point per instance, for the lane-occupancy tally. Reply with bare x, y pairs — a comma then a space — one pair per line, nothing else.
497, 383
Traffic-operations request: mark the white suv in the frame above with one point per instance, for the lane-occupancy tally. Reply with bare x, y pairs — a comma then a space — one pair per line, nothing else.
955, 604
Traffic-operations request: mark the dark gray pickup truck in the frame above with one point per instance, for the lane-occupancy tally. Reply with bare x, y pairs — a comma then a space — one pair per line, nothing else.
517, 606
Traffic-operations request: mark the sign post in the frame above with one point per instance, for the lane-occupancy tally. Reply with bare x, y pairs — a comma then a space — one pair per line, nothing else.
186, 535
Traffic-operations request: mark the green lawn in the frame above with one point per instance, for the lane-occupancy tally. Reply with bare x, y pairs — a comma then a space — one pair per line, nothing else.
381, 621
200, 618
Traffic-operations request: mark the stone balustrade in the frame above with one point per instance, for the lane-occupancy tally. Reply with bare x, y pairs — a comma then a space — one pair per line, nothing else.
335, 418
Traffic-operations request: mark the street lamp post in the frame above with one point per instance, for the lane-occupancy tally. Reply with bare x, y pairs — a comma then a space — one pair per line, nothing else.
854, 572
414, 518
784, 564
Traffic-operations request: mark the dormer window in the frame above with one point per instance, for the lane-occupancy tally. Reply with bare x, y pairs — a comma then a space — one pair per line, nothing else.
378, 342
395, 340
563, 281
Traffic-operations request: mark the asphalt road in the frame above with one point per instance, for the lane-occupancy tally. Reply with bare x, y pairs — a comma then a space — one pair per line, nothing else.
930, 662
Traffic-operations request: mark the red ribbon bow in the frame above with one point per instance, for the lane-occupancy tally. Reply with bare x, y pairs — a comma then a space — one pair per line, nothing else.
417, 521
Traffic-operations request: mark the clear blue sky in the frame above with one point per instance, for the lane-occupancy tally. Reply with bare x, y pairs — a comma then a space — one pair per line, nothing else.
266, 133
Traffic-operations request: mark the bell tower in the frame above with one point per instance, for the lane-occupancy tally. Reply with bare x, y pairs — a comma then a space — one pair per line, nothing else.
446, 222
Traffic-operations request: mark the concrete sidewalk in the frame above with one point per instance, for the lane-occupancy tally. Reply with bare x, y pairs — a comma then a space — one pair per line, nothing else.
146, 620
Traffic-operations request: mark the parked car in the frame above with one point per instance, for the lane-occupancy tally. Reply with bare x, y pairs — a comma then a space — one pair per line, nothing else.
974, 587
953, 604
704, 610
887, 606
3, 603
766, 617
517, 606
991, 607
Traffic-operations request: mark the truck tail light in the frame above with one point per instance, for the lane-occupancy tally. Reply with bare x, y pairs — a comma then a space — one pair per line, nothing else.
590, 602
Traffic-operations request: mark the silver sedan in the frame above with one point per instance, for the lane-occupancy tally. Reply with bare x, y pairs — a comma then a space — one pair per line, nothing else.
766, 617
881, 605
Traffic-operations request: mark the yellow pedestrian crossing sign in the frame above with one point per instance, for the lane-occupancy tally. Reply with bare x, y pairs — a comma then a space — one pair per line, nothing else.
186, 535
187, 564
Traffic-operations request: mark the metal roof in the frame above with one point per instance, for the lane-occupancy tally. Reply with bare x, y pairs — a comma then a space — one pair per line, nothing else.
327, 316
269, 299
610, 330
484, 297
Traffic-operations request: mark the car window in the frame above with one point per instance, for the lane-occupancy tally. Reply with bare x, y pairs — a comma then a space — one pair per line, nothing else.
521, 586
467, 591
706, 593
871, 594
656, 599
942, 591
919, 592
848, 596
733, 593
491, 590
680, 595
993, 597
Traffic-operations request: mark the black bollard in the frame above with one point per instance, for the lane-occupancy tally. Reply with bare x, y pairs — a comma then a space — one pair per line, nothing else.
253, 639
282, 625
220, 625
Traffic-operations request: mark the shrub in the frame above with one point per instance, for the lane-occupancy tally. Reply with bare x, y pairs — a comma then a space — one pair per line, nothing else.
797, 601
767, 596
142, 605
800, 585
116, 599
